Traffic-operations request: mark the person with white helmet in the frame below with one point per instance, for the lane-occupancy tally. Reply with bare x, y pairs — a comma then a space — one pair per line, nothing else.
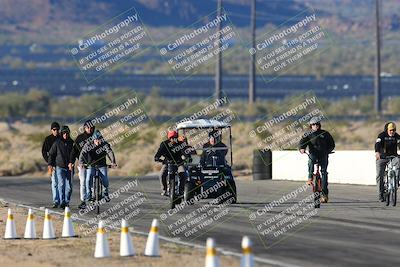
386, 145
320, 144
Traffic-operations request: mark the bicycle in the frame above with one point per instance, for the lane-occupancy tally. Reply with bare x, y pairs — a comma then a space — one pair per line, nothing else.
174, 183
97, 188
391, 181
316, 182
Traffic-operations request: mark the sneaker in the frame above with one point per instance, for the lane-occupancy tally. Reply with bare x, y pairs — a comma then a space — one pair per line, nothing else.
323, 199
62, 206
55, 205
381, 199
165, 193
309, 182
82, 205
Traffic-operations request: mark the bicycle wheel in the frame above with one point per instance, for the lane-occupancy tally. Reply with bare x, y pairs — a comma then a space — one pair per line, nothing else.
172, 193
97, 193
317, 191
394, 193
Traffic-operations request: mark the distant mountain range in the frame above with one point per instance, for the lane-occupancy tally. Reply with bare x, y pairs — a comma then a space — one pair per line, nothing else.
30, 16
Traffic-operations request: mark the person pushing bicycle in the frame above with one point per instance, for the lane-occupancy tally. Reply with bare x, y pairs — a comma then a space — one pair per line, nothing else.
95, 153
320, 144
386, 145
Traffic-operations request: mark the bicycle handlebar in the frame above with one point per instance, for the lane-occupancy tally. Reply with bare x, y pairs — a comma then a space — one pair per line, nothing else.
98, 166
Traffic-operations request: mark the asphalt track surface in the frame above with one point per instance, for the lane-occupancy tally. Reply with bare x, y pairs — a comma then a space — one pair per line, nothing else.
353, 229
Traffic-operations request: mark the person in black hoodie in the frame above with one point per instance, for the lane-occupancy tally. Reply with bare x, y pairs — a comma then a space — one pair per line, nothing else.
95, 153
48, 142
320, 144
80, 142
60, 156
386, 145
171, 150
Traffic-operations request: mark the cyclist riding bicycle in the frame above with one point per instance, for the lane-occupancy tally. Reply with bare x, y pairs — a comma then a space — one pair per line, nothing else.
320, 144
386, 145
95, 153
171, 150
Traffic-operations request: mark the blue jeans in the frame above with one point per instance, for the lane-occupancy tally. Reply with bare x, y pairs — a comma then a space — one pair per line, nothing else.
64, 184
54, 188
90, 172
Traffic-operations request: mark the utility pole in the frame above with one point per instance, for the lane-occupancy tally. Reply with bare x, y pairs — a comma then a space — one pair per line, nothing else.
218, 66
377, 81
252, 73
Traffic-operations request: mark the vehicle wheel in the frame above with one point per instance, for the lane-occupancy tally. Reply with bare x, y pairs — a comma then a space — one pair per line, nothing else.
231, 187
188, 193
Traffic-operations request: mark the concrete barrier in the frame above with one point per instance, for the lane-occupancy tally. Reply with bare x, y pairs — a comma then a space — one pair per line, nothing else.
345, 167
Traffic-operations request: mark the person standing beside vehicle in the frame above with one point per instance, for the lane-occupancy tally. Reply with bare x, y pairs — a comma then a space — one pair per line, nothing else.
60, 156
80, 142
171, 150
95, 153
48, 142
320, 144
386, 145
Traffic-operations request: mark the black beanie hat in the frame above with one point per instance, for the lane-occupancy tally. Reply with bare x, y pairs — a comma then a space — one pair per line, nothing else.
55, 125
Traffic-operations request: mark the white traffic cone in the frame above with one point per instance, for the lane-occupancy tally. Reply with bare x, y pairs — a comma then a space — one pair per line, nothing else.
247, 257
102, 249
30, 228
153, 245
48, 228
68, 227
211, 254
126, 247
11, 232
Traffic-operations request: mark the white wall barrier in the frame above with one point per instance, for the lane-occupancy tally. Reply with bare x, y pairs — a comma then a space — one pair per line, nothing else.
345, 167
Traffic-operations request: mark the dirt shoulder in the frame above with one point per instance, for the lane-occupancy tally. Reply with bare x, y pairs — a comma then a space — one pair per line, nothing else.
79, 251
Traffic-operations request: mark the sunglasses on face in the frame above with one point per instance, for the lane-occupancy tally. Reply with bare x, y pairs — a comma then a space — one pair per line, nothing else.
314, 124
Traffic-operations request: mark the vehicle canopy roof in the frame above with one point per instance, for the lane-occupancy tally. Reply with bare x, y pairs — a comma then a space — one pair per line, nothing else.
202, 124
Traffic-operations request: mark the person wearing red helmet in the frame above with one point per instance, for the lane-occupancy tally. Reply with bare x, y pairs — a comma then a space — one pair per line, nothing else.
170, 150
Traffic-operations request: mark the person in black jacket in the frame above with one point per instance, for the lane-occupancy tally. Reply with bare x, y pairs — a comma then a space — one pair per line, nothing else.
80, 142
320, 144
95, 153
171, 150
214, 151
60, 156
48, 142
386, 145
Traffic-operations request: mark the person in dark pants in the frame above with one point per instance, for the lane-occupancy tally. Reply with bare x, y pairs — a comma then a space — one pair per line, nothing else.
60, 155
172, 150
80, 142
48, 142
320, 144
386, 145
95, 152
